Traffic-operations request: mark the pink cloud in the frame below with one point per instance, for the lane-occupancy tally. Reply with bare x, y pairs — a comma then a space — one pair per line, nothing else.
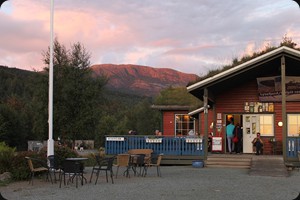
189, 50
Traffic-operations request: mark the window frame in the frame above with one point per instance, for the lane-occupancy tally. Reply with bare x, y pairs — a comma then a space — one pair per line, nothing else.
271, 125
289, 134
185, 127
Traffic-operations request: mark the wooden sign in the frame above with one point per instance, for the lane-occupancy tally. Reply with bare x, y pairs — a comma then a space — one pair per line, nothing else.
216, 144
115, 139
153, 140
193, 140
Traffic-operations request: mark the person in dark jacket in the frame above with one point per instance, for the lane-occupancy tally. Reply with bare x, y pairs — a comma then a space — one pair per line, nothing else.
239, 134
258, 144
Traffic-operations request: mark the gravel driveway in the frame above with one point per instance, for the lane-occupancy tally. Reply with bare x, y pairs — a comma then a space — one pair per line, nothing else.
177, 182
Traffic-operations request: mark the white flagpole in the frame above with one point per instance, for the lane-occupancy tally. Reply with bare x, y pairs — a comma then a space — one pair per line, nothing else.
50, 145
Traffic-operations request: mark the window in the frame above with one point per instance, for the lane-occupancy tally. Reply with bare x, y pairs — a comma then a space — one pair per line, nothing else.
184, 123
293, 124
266, 125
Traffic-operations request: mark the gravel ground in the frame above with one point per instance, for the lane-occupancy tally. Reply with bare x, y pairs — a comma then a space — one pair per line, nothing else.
177, 182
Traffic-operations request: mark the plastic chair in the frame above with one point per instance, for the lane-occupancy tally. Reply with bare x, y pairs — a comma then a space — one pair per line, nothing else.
42, 168
103, 164
123, 161
156, 160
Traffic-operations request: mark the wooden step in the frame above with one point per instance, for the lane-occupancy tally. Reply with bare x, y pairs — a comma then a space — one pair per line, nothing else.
229, 166
228, 161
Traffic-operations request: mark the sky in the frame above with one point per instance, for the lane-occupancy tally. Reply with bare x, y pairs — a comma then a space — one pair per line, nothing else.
191, 36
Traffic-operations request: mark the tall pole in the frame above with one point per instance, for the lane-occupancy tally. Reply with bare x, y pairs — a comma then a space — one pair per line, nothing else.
283, 100
205, 105
50, 146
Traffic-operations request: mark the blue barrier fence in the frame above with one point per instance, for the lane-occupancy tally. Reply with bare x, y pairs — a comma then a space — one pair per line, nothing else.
166, 145
177, 146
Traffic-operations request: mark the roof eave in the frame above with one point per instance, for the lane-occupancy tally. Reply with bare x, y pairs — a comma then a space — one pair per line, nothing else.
197, 110
258, 59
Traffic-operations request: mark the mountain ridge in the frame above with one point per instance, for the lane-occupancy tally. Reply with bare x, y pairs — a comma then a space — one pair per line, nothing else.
141, 80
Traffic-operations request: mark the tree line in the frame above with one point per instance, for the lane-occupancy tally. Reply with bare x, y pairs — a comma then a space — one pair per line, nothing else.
82, 107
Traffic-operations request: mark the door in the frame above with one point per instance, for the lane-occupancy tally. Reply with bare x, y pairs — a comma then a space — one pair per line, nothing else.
250, 128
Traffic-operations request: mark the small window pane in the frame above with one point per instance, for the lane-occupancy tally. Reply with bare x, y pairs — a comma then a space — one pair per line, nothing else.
266, 125
293, 124
184, 123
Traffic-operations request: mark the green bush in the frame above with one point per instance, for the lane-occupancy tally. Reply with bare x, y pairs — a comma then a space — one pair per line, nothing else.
91, 160
20, 169
18, 166
60, 154
6, 156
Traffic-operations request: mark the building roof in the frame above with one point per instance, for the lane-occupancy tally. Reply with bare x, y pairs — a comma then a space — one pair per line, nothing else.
171, 107
197, 111
258, 66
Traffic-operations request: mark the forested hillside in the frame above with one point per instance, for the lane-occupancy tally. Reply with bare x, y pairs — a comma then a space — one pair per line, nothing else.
83, 108
23, 111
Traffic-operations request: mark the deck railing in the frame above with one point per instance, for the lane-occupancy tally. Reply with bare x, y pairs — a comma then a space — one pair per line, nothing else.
180, 146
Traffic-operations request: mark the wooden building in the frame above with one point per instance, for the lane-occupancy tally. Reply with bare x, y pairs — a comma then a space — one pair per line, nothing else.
176, 121
251, 94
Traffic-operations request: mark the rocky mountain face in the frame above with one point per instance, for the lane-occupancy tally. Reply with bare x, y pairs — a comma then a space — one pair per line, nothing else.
141, 80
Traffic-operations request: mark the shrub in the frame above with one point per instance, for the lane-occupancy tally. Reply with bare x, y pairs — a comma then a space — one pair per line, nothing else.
60, 154
91, 160
18, 166
6, 156
20, 169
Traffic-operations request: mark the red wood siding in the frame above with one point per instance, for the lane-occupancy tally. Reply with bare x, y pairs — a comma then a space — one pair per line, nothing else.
169, 122
210, 120
232, 101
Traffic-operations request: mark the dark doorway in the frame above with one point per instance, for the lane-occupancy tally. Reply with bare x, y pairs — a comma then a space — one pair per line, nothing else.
237, 118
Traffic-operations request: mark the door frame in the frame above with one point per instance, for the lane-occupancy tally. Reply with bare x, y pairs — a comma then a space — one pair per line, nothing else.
250, 128
237, 118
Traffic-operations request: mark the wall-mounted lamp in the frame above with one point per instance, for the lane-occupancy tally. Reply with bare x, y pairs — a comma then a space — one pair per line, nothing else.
280, 124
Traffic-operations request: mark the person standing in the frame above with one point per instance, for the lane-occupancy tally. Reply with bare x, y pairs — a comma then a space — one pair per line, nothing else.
229, 135
239, 133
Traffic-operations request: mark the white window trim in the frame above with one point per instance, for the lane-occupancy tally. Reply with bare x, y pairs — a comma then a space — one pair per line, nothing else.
175, 129
288, 126
272, 125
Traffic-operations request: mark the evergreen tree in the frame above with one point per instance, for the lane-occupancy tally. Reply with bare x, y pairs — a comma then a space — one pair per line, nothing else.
76, 93
177, 96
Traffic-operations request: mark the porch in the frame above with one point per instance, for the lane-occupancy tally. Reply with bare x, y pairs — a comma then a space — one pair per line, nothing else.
178, 150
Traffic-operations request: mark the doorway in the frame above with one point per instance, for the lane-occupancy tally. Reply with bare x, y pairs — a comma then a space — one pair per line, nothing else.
237, 118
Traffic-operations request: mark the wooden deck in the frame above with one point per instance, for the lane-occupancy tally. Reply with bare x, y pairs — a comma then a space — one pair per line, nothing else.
183, 150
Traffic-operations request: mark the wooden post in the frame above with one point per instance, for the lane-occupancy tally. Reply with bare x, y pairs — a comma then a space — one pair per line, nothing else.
205, 99
283, 107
